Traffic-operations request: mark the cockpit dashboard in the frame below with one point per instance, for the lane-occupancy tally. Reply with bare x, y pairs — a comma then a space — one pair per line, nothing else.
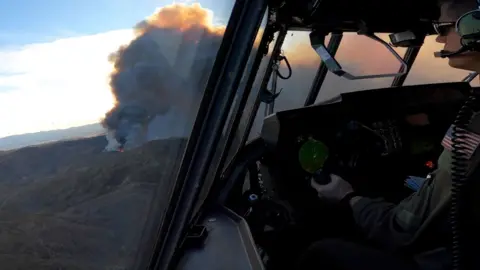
408, 122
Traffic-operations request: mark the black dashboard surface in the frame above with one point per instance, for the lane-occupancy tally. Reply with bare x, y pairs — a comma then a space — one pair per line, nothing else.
368, 105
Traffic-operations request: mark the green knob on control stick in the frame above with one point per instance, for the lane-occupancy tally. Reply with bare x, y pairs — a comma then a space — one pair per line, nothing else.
312, 155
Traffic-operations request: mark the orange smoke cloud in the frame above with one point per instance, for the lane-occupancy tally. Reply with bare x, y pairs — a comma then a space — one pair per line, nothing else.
165, 66
181, 17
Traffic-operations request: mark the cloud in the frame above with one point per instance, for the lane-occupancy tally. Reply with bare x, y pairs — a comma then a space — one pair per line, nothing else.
57, 84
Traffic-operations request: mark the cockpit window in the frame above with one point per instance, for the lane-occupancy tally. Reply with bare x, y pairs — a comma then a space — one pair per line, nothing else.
357, 54
304, 62
427, 69
294, 90
97, 102
361, 55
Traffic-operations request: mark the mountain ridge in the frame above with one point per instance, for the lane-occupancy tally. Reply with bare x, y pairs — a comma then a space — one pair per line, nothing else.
42, 137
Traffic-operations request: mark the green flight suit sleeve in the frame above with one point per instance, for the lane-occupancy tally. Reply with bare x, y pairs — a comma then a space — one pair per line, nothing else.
393, 226
389, 225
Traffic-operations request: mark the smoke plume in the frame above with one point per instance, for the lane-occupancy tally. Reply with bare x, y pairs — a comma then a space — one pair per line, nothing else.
158, 77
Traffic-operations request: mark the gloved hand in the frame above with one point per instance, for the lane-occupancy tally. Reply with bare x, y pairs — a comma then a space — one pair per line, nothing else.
334, 191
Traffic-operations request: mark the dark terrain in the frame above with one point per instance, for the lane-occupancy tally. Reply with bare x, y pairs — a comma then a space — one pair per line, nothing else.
68, 205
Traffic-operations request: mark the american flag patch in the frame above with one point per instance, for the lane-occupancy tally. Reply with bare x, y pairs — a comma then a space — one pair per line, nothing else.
471, 141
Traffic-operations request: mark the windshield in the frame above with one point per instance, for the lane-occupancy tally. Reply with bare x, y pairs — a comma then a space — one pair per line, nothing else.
305, 62
427, 69
358, 55
97, 100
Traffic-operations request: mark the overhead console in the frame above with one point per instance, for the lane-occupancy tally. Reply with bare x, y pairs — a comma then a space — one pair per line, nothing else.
379, 15
407, 122
407, 22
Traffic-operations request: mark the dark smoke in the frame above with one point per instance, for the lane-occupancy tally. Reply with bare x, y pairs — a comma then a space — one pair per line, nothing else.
148, 87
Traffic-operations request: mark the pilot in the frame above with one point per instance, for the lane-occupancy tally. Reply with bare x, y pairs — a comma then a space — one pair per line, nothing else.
392, 230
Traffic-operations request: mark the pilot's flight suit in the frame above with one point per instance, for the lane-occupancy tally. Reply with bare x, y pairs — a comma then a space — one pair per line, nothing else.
402, 227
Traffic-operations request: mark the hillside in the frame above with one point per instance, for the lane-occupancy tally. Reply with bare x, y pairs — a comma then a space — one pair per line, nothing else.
68, 205
23, 140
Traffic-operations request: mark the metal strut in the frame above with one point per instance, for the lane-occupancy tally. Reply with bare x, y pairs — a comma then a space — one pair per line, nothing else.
271, 95
470, 77
333, 45
409, 58
276, 50
204, 140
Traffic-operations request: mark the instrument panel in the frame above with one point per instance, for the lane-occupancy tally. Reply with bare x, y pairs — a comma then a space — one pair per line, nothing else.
390, 134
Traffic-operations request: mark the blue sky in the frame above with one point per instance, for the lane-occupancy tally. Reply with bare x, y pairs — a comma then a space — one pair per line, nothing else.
53, 53
28, 21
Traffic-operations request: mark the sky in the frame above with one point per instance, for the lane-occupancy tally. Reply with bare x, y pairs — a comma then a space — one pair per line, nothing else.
32, 21
54, 68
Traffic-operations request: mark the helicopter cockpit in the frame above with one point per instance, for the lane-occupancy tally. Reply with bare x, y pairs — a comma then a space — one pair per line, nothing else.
382, 140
